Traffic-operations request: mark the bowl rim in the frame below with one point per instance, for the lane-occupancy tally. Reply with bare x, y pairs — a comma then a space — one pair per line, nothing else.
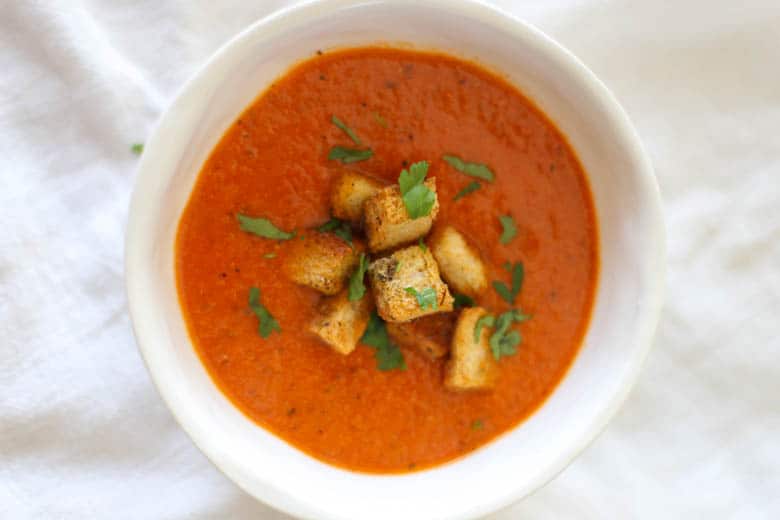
310, 10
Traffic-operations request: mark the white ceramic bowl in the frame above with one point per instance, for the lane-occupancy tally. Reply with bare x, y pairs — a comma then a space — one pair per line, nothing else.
628, 297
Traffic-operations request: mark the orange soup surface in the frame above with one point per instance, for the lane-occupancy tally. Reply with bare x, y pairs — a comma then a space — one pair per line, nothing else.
273, 162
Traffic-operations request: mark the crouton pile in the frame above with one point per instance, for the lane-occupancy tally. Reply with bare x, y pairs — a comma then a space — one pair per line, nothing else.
412, 275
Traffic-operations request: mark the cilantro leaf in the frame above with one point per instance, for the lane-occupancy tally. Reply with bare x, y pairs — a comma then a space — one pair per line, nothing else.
461, 300
470, 188
504, 291
509, 295
267, 322
340, 228
137, 148
504, 341
510, 229
347, 130
388, 356
417, 197
357, 289
477, 425
427, 298
477, 170
262, 227
349, 155
422, 245
484, 321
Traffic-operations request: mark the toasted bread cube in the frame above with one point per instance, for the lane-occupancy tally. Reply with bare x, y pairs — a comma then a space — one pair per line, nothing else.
430, 335
387, 221
340, 323
471, 365
349, 193
414, 268
459, 263
322, 261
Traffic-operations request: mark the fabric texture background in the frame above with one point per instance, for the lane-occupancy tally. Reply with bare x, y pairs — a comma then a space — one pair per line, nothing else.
84, 434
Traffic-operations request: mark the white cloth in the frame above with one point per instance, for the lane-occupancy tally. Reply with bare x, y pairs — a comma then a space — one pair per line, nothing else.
83, 433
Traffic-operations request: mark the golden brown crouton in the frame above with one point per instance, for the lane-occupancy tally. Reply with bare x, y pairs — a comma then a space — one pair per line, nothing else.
387, 221
399, 279
340, 322
460, 264
471, 365
431, 335
349, 193
322, 261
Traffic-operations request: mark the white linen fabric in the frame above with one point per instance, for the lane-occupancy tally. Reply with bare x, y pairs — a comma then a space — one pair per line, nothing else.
83, 433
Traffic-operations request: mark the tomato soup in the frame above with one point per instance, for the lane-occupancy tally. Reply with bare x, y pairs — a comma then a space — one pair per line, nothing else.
407, 106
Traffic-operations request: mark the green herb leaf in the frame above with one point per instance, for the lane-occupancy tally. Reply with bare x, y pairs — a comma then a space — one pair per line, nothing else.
485, 321
357, 289
518, 273
269, 255
388, 356
422, 245
504, 341
477, 425
137, 148
510, 229
427, 298
349, 155
267, 322
470, 188
417, 197
473, 169
461, 300
347, 130
504, 292
340, 228
262, 227
381, 121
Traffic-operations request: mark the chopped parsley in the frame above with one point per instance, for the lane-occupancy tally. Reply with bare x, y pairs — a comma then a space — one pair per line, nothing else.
505, 292
340, 228
477, 170
347, 130
349, 155
504, 341
262, 227
269, 255
357, 289
510, 229
426, 299
484, 321
267, 322
461, 300
388, 355
422, 245
477, 425
470, 188
137, 148
417, 197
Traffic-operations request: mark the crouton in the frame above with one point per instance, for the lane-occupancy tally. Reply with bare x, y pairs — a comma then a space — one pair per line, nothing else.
349, 193
459, 263
431, 335
340, 323
399, 279
322, 261
471, 365
387, 221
